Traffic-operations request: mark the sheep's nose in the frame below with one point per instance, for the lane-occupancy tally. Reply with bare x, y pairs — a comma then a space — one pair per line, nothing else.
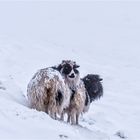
72, 75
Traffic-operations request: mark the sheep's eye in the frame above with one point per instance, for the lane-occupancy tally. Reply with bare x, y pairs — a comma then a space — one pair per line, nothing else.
67, 69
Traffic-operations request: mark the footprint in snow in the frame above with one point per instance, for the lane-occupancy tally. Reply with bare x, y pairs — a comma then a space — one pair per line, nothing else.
90, 121
121, 134
1, 86
63, 136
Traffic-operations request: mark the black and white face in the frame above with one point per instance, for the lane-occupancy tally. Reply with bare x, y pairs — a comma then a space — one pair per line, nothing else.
70, 69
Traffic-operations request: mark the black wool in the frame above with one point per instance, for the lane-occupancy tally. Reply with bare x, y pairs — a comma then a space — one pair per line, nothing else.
93, 86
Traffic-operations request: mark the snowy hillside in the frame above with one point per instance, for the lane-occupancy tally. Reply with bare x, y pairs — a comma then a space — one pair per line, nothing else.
102, 37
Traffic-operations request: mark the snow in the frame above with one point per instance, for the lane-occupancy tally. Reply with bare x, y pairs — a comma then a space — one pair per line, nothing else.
102, 37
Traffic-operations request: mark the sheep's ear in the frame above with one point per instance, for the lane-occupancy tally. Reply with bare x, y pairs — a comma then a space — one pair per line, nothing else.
76, 66
59, 67
63, 61
100, 79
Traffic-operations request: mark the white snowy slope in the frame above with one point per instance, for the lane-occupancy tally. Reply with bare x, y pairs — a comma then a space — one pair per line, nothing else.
102, 37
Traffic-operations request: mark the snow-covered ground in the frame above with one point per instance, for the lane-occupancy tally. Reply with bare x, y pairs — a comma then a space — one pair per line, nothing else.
103, 37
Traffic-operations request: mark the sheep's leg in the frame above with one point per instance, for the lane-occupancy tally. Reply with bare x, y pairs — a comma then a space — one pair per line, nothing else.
77, 116
46, 110
51, 114
62, 116
68, 120
55, 116
73, 118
